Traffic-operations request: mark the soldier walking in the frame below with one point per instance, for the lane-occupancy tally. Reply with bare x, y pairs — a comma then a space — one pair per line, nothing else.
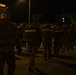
32, 36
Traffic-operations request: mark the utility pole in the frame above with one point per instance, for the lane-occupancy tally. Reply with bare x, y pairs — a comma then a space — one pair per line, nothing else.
29, 11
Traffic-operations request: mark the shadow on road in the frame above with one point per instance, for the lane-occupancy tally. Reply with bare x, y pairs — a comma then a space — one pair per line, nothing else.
66, 57
37, 71
69, 61
68, 64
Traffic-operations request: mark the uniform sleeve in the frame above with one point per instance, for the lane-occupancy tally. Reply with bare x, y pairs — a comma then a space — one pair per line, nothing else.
39, 35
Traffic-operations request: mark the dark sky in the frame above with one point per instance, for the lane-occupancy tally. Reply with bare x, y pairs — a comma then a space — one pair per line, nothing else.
44, 7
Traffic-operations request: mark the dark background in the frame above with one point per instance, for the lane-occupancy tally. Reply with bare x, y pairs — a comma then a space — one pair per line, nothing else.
48, 8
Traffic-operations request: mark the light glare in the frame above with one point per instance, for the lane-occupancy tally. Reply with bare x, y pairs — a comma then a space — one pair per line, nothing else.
2, 5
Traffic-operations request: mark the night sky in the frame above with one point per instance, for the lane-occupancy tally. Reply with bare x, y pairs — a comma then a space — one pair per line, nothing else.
48, 8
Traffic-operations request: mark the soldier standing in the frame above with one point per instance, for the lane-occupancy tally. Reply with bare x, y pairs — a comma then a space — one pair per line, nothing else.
7, 43
19, 40
47, 40
58, 38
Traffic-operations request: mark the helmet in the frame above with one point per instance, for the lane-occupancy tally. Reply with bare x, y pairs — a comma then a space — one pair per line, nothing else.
5, 13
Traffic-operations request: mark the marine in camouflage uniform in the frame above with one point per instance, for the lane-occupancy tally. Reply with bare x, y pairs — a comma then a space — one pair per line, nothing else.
47, 40
32, 36
7, 42
58, 39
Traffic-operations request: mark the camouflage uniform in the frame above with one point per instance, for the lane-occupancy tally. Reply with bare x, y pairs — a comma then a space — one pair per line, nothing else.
32, 37
7, 42
47, 40
19, 41
58, 39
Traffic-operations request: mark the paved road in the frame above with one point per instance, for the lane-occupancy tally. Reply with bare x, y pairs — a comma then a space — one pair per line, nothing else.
61, 65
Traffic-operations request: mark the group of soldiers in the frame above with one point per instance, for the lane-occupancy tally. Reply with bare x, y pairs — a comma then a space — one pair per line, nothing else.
66, 37
34, 34
62, 36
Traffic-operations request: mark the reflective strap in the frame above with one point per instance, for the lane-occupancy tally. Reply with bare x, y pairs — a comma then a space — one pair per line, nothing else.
46, 30
30, 30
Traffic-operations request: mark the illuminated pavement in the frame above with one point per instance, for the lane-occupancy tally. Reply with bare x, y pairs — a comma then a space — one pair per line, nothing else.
61, 65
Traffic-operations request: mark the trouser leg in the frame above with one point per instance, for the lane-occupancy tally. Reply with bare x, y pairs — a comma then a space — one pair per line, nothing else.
2, 62
49, 53
11, 62
49, 49
32, 57
44, 51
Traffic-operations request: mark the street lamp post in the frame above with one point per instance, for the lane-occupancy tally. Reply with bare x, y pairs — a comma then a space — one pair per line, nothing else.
29, 11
